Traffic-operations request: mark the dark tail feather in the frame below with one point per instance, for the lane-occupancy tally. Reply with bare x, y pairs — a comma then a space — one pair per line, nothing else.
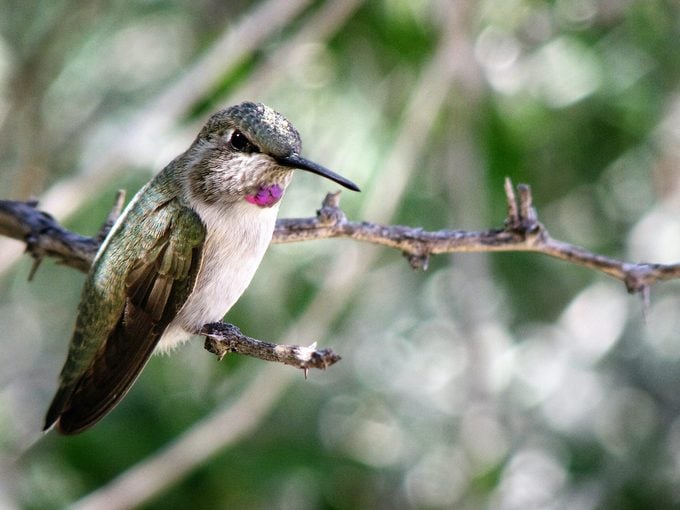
112, 373
55, 409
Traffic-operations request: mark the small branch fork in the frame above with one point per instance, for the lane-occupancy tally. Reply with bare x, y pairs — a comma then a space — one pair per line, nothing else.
522, 231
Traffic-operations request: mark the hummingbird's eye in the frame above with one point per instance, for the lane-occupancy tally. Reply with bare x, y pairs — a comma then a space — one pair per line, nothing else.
240, 142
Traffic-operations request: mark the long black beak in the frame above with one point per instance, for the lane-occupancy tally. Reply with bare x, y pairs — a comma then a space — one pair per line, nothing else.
296, 161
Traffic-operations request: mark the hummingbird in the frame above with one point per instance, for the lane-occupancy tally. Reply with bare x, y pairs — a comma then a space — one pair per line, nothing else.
179, 256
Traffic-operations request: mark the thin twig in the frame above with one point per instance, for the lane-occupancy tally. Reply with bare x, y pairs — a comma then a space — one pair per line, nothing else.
512, 220
44, 237
522, 232
222, 338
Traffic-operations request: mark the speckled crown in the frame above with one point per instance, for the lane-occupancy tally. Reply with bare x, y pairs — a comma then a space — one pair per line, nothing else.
264, 126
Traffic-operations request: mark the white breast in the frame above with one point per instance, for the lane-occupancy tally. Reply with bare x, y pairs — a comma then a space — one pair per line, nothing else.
237, 238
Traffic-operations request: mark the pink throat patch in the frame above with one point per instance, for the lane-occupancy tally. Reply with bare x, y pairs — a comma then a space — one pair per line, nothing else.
266, 196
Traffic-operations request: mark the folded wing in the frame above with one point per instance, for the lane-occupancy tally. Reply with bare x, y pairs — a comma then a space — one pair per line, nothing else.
157, 284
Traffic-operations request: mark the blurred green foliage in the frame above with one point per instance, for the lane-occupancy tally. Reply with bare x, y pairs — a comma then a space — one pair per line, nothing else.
489, 381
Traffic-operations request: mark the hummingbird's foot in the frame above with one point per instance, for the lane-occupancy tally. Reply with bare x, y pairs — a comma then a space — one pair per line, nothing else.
220, 338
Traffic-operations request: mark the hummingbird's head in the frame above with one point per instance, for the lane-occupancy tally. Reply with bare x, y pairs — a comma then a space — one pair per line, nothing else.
248, 152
